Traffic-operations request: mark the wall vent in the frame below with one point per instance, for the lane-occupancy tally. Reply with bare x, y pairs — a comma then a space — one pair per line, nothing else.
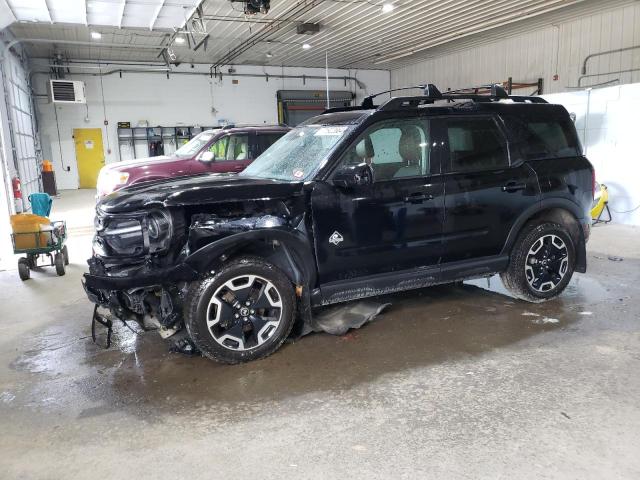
67, 91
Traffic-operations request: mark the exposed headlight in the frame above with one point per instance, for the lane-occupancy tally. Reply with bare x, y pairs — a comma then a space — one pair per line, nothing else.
110, 180
134, 235
123, 236
160, 230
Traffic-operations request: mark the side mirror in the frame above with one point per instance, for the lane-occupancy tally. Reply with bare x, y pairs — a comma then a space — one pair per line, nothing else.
353, 176
207, 156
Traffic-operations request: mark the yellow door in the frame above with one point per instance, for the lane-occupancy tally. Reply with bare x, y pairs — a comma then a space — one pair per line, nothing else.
89, 155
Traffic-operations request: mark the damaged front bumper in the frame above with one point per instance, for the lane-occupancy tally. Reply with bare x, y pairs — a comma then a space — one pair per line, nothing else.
151, 298
171, 275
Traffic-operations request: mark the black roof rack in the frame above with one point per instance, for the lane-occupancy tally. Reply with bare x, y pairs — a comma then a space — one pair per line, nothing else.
431, 94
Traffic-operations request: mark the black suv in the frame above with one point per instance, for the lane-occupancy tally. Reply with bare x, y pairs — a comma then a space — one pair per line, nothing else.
356, 202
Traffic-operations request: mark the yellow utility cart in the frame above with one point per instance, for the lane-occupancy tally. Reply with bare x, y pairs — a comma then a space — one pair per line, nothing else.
36, 236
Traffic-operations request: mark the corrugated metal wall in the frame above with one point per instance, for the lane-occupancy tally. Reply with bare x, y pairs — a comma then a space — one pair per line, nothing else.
542, 52
24, 157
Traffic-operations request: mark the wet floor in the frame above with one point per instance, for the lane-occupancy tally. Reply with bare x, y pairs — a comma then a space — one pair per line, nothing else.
456, 381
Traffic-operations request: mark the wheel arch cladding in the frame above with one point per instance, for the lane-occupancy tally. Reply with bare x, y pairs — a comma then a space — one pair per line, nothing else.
562, 212
289, 250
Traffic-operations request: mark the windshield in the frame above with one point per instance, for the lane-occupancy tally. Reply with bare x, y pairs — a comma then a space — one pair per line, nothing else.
299, 154
194, 145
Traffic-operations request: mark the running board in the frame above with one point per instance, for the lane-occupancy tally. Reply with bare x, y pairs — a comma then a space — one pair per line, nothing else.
393, 282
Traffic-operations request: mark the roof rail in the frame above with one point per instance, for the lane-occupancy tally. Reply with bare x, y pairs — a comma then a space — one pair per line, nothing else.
496, 93
431, 94
367, 103
252, 125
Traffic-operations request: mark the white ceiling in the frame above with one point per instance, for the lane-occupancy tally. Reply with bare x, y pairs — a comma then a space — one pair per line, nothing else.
354, 33
150, 14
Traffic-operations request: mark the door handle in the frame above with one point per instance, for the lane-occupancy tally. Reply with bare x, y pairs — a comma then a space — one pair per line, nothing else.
513, 186
418, 197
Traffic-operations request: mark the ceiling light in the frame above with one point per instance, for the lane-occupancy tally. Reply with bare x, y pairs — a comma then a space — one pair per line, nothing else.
306, 46
96, 35
179, 40
387, 7
269, 55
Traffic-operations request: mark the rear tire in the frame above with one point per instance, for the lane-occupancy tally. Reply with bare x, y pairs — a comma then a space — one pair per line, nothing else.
23, 269
65, 252
243, 312
542, 263
58, 261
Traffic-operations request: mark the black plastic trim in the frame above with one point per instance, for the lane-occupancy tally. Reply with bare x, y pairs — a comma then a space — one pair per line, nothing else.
178, 273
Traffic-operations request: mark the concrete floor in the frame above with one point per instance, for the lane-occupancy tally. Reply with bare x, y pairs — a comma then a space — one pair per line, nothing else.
450, 382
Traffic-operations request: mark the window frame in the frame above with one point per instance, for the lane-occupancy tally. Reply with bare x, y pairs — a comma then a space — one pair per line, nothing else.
428, 124
446, 151
228, 138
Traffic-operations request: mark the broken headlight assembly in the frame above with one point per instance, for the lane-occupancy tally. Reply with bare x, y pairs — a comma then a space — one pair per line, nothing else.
160, 230
133, 235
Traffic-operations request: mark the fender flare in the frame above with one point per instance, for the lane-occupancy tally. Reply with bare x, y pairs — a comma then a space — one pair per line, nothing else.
296, 248
546, 204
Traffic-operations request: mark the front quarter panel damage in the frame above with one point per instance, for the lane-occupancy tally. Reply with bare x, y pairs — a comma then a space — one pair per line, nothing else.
207, 228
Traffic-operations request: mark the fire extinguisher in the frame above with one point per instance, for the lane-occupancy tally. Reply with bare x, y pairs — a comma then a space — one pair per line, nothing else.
17, 194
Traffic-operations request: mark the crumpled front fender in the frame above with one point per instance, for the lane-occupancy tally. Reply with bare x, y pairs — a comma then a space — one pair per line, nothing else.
294, 243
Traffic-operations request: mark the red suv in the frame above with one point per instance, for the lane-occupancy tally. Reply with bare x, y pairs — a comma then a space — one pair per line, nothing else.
229, 149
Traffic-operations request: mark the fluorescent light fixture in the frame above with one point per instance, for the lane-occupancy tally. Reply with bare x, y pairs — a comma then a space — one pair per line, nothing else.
306, 46
387, 7
96, 35
179, 40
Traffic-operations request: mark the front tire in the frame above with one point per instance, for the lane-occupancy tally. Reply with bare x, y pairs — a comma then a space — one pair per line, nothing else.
243, 312
23, 269
542, 263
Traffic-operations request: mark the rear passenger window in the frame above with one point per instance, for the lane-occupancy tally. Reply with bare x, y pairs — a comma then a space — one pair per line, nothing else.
265, 140
475, 144
547, 140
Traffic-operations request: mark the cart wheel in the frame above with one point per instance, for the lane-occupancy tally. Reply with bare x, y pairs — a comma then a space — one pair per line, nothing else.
32, 261
65, 252
58, 261
23, 269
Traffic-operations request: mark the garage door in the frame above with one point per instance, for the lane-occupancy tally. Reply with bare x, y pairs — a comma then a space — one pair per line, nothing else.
27, 157
296, 106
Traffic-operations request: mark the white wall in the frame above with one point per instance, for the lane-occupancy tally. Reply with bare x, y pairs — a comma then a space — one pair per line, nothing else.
179, 100
607, 123
542, 52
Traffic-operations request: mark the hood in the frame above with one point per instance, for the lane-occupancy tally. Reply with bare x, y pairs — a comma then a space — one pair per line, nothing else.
139, 162
199, 190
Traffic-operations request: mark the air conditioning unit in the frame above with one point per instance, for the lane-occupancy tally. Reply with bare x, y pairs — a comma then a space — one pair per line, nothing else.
67, 91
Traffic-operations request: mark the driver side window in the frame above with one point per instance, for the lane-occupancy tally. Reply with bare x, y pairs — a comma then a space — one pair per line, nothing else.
231, 147
394, 149
219, 148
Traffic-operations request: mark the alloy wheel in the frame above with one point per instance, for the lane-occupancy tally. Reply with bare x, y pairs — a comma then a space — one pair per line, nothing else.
547, 263
244, 312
